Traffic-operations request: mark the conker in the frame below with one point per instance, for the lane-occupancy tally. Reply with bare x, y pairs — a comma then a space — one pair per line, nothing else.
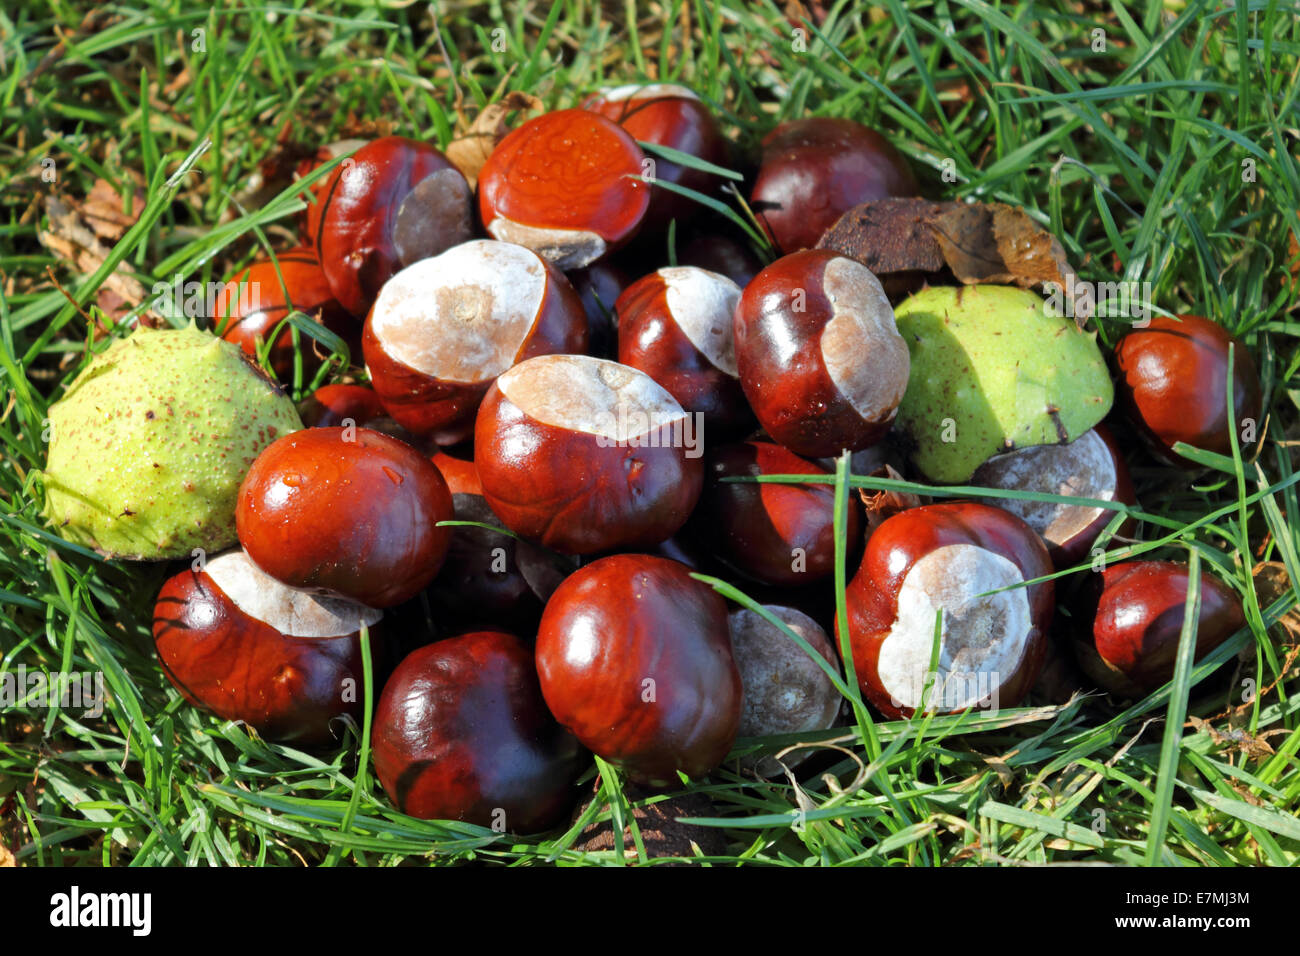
1173, 386
254, 304
634, 658
814, 170
667, 114
243, 646
947, 557
392, 203
1088, 467
780, 534
346, 512
332, 405
461, 733
565, 184
819, 355
583, 455
676, 326
1127, 632
444, 328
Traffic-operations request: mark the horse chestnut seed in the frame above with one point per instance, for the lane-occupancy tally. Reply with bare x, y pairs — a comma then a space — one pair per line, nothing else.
1173, 386
565, 184
812, 171
348, 512
240, 644
676, 326
1127, 634
949, 557
444, 328
819, 355
634, 657
393, 202
584, 455
461, 733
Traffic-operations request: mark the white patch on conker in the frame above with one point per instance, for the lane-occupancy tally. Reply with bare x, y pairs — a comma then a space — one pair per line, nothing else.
590, 395
286, 610
703, 304
564, 248
865, 356
983, 638
1082, 469
785, 691
461, 316
649, 91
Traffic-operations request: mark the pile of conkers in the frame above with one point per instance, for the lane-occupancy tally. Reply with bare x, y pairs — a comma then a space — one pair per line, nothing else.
556, 429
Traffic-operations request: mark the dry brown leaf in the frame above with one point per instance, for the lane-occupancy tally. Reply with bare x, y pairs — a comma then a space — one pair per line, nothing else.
72, 241
471, 149
882, 505
6, 857
103, 211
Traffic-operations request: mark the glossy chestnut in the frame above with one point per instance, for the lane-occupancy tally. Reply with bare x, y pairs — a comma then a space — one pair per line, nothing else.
676, 326
243, 646
444, 328
1088, 467
583, 455
667, 114
332, 405
348, 512
461, 733
785, 690
943, 557
819, 355
309, 218
394, 202
814, 170
779, 534
565, 184
1127, 630
634, 658
255, 303
1173, 386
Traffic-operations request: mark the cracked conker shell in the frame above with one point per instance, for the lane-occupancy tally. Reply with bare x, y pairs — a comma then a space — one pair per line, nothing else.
818, 353
634, 657
461, 733
1126, 636
243, 646
392, 203
348, 513
946, 556
1173, 386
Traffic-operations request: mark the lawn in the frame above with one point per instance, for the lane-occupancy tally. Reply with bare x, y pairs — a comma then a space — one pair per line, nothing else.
146, 143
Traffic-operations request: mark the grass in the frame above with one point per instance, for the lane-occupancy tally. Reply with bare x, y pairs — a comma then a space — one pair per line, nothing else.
1160, 150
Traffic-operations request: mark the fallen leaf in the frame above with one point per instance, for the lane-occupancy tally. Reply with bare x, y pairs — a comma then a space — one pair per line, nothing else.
6, 857
882, 505
471, 149
103, 209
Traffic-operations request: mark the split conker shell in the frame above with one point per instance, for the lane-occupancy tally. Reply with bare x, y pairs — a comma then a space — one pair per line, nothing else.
461, 733
395, 201
814, 170
348, 512
634, 657
993, 370
1173, 386
584, 455
944, 557
1127, 630
240, 644
819, 356
565, 184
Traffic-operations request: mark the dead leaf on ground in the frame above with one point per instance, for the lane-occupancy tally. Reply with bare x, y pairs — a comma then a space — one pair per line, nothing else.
472, 147
881, 505
6, 857
979, 242
71, 240
106, 213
